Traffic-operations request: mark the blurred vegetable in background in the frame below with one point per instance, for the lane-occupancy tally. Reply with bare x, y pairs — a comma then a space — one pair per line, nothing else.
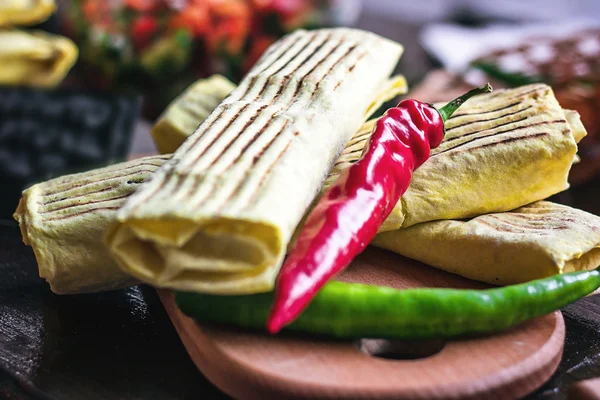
158, 47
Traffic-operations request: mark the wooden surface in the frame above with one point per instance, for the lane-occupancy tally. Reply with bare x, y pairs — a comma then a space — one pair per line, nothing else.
253, 365
585, 390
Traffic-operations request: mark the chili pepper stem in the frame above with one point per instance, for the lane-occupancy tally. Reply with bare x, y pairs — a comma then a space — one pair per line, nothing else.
449, 109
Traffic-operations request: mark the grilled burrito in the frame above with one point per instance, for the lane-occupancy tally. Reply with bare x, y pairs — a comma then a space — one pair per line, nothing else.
218, 216
25, 12
531, 242
501, 151
34, 58
63, 220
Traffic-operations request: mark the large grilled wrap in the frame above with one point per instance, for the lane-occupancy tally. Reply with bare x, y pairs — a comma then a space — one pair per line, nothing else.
219, 215
531, 242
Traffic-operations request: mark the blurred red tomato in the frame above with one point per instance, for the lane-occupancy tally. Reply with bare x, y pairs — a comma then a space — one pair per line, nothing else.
143, 30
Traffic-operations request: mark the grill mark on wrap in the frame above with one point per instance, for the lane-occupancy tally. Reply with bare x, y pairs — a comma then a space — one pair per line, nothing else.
310, 71
168, 173
503, 227
122, 196
518, 95
525, 226
160, 185
84, 184
199, 178
262, 180
358, 151
280, 91
253, 119
253, 139
216, 137
542, 218
292, 59
538, 88
94, 210
357, 139
497, 134
235, 117
265, 85
489, 120
300, 81
350, 157
507, 140
364, 137
257, 157
48, 203
556, 121
465, 114
207, 129
335, 64
255, 77
350, 68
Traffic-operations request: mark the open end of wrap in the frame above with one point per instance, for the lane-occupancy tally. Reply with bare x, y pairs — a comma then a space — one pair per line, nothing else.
215, 256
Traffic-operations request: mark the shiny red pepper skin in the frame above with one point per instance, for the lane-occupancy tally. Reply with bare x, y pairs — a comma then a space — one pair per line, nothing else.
349, 214
351, 211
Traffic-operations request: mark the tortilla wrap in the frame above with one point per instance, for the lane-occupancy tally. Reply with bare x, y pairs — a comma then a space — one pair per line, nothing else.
218, 216
34, 58
501, 151
25, 12
531, 242
64, 219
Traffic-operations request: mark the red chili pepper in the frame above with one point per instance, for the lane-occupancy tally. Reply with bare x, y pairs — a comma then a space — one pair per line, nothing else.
349, 214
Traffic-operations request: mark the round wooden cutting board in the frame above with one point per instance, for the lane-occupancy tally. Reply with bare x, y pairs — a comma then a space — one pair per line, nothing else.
254, 365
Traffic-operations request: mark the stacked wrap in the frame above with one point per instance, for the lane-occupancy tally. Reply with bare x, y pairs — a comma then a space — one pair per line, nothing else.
531, 242
501, 151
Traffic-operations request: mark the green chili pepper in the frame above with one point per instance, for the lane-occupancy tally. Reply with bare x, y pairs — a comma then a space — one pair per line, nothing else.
348, 310
510, 78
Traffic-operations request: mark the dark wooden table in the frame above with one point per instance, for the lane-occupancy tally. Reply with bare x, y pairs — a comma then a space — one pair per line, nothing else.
121, 344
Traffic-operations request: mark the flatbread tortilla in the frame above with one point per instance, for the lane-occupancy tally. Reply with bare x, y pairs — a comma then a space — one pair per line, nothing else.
34, 58
25, 12
531, 242
64, 219
501, 151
